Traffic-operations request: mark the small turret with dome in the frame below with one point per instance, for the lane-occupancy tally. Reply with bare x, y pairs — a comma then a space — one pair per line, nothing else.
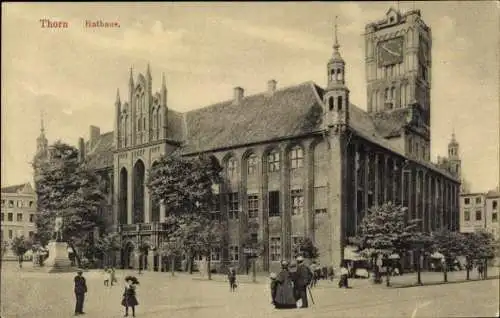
336, 96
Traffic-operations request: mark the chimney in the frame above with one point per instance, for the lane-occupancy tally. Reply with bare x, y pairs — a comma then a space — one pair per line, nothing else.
94, 134
81, 149
271, 86
238, 94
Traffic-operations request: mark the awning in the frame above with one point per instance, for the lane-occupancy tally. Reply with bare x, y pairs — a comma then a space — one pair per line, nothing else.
437, 255
351, 254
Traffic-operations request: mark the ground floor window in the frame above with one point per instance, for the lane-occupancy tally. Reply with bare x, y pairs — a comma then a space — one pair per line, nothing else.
233, 253
275, 248
215, 255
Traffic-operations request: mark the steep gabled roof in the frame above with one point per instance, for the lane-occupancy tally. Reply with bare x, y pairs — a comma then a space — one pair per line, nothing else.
101, 155
288, 112
389, 124
17, 188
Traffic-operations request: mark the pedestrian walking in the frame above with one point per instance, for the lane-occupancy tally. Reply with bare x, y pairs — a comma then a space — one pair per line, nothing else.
129, 295
302, 278
282, 289
331, 273
231, 276
106, 276
480, 270
112, 276
80, 291
344, 276
315, 273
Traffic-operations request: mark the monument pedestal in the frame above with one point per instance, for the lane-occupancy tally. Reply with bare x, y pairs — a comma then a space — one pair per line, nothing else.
58, 260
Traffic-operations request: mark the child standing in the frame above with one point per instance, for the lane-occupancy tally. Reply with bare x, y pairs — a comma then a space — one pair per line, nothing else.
112, 276
231, 275
129, 295
106, 276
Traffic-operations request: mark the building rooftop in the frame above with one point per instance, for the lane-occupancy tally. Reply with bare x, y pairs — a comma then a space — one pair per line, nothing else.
285, 113
19, 188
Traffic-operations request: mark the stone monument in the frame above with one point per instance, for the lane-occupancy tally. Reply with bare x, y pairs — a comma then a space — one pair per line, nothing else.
58, 260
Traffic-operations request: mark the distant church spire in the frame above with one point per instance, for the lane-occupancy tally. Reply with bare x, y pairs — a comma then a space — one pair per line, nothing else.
41, 141
42, 127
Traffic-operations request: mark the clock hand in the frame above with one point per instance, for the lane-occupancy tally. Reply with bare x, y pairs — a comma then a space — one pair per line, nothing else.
390, 51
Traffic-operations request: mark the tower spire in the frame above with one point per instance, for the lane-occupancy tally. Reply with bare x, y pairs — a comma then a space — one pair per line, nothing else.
163, 82
336, 44
117, 95
42, 127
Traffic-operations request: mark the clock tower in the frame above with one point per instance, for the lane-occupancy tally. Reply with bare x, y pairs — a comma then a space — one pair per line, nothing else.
398, 73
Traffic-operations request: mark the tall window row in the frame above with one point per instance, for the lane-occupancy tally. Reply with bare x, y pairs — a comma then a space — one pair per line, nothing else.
274, 162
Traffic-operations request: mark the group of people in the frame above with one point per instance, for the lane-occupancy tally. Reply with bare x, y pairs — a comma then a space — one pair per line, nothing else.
289, 286
109, 276
129, 298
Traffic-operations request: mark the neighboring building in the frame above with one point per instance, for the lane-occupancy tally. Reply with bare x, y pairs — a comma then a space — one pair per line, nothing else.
479, 211
18, 212
472, 212
491, 213
301, 161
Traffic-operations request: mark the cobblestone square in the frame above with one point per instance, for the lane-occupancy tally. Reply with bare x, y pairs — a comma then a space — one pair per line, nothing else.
28, 293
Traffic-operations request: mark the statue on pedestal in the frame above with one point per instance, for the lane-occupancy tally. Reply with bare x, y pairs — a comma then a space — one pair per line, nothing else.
57, 234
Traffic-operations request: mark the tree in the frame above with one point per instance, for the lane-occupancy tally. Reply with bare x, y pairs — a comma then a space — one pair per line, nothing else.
68, 188
19, 246
385, 230
107, 245
212, 235
172, 249
484, 247
306, 248
450, 244
186, 187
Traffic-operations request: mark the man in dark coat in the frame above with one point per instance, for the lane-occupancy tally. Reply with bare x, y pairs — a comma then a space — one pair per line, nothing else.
302, 279
80, 290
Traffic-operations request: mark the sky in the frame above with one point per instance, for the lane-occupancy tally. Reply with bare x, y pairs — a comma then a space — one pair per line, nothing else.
205, 49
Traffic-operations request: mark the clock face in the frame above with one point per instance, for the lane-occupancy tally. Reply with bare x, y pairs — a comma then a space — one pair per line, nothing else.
390, 51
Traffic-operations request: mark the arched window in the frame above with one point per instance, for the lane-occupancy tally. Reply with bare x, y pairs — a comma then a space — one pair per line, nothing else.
386, 94
296, 157
252, 164
330, 103
393, 94
232, 167
273, 160
139, 124
339, 103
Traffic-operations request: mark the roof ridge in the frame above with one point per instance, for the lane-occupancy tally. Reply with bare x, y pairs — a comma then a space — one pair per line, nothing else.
250, 96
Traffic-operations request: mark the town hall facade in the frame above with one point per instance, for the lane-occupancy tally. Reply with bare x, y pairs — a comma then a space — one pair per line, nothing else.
299, 161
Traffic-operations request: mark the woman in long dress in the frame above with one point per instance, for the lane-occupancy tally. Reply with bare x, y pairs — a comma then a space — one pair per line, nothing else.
282, 289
